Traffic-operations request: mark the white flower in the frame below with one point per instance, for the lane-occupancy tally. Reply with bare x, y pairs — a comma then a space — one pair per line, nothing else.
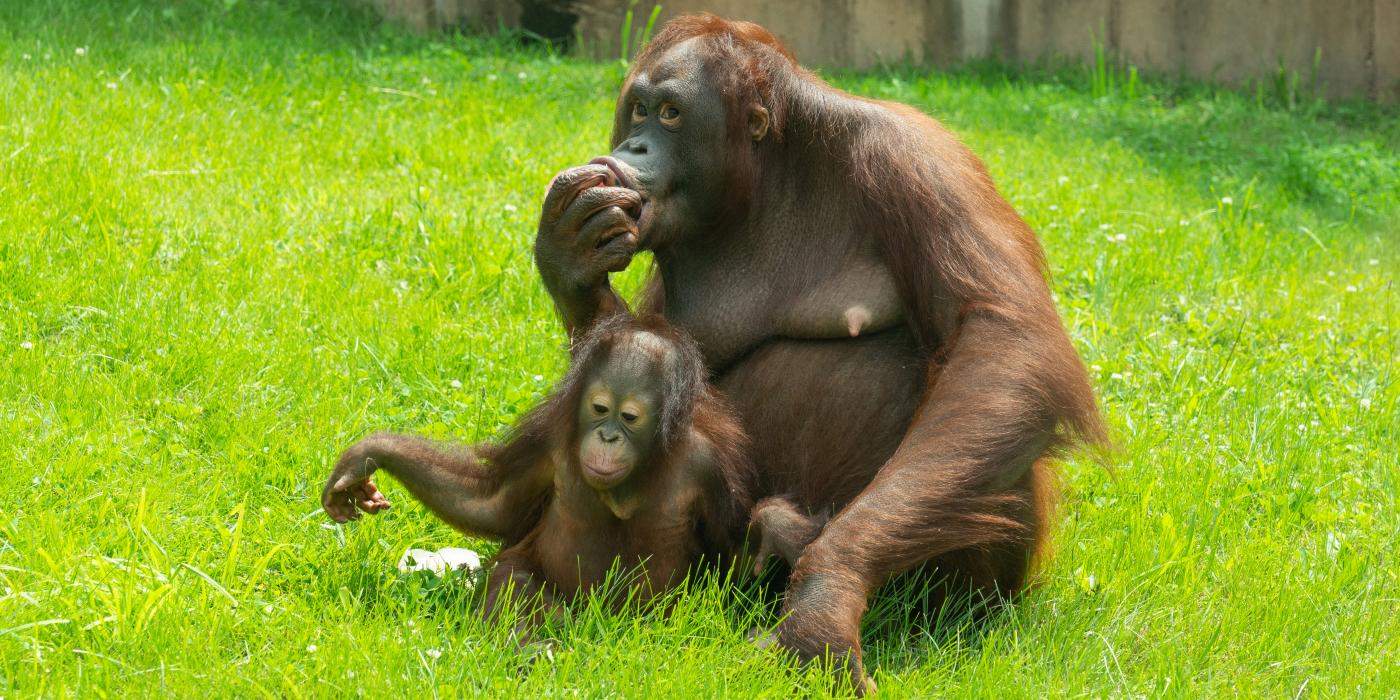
311, 648
1366, 403
491, 77
1351, 288
1064, 179
1183, 222
510, 207
1373, 262
435, 653
539, 377
1115, 376
521, 75
455, 384
1054, 207
81, 51
26, 345
1121, 237
1227, 200
111, 86
1104, 227
25, 56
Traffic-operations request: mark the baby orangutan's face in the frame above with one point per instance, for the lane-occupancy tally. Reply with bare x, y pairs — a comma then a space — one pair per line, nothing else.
618, 425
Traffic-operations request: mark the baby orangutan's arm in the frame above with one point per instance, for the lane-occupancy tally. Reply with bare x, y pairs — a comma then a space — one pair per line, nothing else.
780, 528
475, 495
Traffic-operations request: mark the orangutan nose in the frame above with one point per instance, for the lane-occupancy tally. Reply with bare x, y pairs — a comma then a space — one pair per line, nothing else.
608, 436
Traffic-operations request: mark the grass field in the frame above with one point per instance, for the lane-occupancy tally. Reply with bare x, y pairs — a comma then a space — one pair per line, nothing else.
235, 236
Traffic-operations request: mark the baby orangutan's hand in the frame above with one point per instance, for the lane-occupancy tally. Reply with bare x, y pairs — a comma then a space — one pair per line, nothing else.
349, 491
781, 529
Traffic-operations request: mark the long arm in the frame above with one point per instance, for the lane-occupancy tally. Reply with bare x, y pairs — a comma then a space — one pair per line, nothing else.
966, 489
472, 494
965, 484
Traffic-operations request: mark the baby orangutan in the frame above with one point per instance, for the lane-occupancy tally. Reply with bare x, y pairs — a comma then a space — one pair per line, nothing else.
647, 465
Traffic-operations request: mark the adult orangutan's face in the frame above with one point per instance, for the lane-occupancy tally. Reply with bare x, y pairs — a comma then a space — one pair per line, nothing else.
671, 145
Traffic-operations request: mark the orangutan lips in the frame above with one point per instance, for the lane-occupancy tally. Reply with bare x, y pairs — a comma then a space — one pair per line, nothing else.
619, 173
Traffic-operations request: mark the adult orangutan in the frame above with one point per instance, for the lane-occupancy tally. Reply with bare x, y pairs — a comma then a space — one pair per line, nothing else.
875, 311
773, 203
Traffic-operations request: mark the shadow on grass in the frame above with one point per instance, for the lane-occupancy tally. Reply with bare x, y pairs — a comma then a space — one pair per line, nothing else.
915, 620
1337, 161
910, 623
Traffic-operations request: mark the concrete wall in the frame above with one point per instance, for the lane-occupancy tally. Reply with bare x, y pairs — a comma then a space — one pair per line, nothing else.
1356, 42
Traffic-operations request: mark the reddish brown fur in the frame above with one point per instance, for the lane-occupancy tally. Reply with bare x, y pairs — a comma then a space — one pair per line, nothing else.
558, 536
575, 542
963, 483
929, 439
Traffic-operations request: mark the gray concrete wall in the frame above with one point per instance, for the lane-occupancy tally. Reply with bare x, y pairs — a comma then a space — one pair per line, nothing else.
1356, 43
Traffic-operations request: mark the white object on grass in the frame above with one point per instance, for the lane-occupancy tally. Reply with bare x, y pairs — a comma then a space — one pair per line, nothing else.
441, 561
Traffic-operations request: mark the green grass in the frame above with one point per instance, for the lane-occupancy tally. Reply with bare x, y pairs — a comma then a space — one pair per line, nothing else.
235, 236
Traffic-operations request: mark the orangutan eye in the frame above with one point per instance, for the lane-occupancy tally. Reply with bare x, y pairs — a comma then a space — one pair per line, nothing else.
599, 408
670, 116
629, 416
639, 112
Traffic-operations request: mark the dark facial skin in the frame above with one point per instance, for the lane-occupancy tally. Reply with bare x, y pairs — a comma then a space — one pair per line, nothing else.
663, 182
668, 121
617, 423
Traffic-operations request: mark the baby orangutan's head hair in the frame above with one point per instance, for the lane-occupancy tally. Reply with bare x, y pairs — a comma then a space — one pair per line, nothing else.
665, 349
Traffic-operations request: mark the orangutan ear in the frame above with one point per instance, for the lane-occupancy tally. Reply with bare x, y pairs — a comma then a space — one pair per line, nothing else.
758, 122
